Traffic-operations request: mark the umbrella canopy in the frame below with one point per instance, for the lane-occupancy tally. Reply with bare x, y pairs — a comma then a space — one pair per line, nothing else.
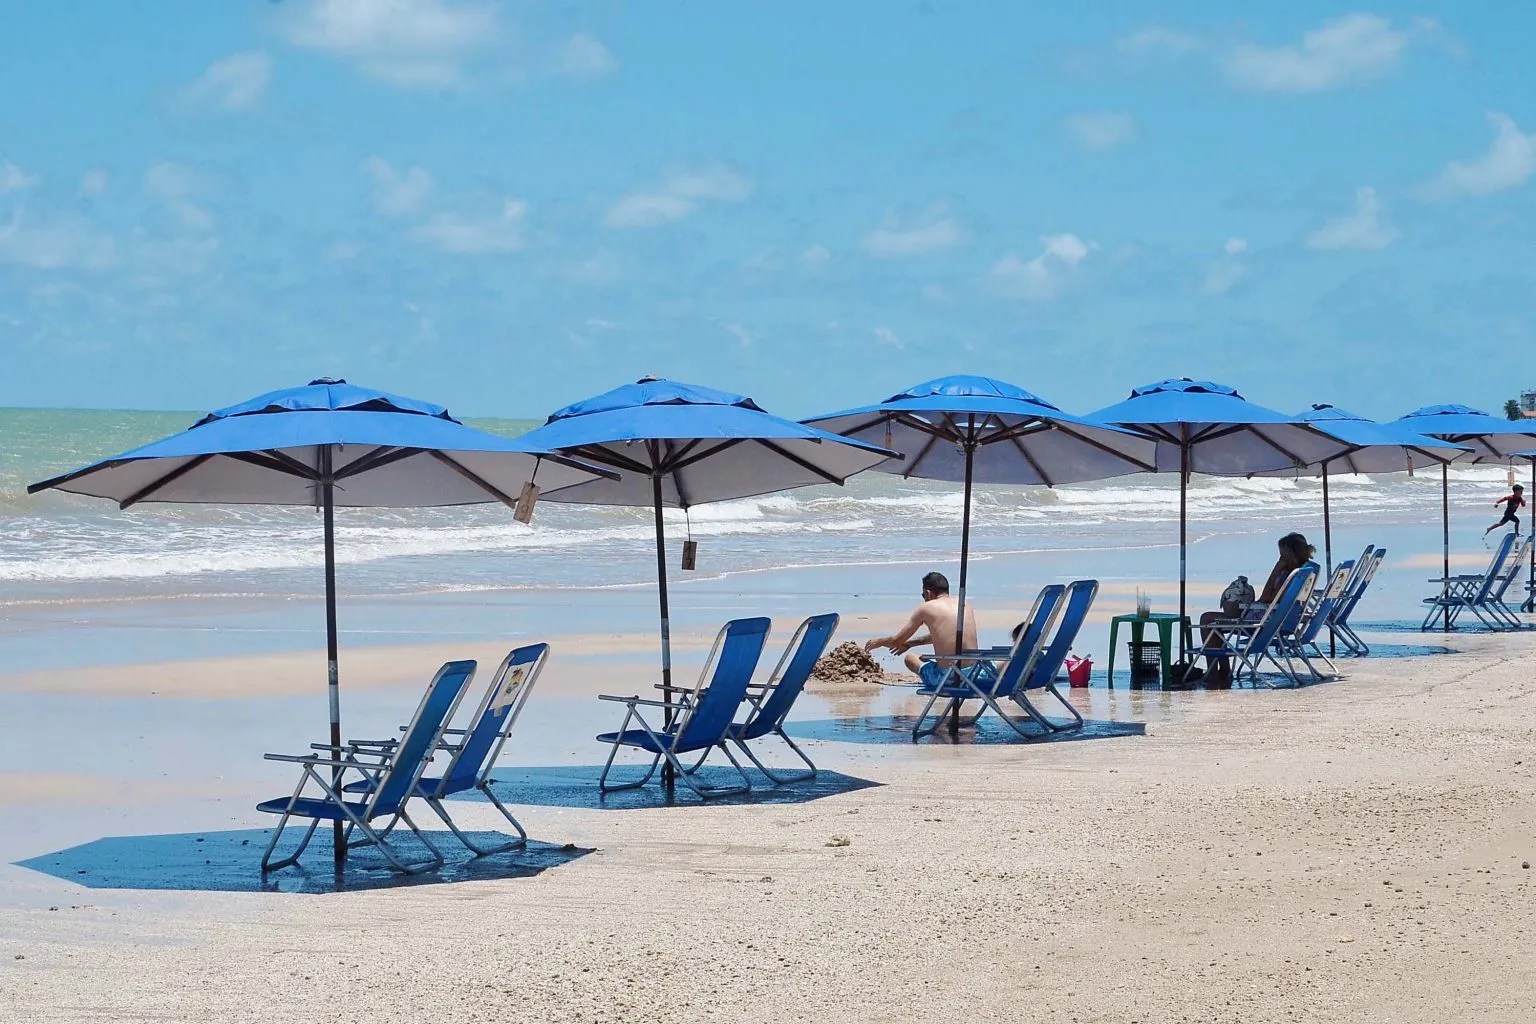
680, 445
383, 451
1488, 436
325, 444
1006, 434
968, 428
1204, 427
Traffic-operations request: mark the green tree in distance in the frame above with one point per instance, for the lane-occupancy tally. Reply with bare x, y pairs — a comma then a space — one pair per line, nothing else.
1512, 409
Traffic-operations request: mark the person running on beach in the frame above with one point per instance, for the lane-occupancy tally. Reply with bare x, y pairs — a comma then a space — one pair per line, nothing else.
1512, 503
937, 615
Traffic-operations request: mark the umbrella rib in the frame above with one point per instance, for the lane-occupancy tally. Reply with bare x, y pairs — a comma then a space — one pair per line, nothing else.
276, 461
696, 457
797, 460
926, 426
1254, 431
603, 456
380, 457
933, 439
171, 477
1070, 432
472, 477
675, 460
1032, 463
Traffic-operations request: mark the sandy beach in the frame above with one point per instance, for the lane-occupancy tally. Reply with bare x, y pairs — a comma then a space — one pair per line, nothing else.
1353, 851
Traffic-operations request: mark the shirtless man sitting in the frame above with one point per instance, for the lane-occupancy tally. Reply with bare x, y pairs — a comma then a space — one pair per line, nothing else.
937, 616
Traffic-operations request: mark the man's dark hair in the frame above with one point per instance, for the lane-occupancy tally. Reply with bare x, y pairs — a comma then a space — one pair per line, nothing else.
1519, 487
936, 583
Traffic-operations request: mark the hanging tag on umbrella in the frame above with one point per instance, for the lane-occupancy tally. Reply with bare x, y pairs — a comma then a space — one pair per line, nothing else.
690, 547
523, 513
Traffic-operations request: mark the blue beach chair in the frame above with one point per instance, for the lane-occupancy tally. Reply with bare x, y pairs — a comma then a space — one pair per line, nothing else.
1469, 592
1513, 569
1303, 642
473, 755
391, 773
770, 707
701, 715
1254, 643
1046, 672
1365, 570
979, 680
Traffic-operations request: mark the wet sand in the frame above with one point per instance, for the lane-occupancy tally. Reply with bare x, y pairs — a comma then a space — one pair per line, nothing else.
1350, 852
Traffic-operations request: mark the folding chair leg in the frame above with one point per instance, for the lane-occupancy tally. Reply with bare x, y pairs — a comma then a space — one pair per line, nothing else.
777, 779
268, 864
918, 732
604, 786
442, 812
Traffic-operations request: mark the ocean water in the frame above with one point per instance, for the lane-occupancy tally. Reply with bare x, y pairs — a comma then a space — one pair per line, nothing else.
59, 548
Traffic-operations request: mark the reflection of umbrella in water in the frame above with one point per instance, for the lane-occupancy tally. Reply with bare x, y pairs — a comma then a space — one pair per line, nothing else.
980, 430
326, 444
679, 445
1488, 436
1202, 427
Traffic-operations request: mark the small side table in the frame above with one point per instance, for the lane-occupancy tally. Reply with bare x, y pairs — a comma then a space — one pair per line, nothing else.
1164, 621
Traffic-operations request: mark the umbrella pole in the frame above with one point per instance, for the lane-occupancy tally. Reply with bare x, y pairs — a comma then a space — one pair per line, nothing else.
667, 779
1445, 541
1183, 544
1530, 590
333, 688
965, 564
1328, 556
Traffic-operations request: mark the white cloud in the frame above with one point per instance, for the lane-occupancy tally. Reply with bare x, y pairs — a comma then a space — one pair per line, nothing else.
1360, 229
13, 178
886, 336
343, 251
410, 43
396, 194
93, 183
1351, 50
1509, 162
1234, 246
1102, 130
1043, 277
464, 234
930, 233
679, 193
173, 187
66, 243
1224, 274
1156, 39
815, 256
583, 57
236, 82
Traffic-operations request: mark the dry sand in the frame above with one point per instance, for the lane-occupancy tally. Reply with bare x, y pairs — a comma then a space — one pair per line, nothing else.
1351, 852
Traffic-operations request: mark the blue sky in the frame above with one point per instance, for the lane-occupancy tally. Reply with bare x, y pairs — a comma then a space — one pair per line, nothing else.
505, 206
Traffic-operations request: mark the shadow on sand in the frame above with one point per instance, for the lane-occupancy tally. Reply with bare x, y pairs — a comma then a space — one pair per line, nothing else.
884, 729
231, 862
576, 786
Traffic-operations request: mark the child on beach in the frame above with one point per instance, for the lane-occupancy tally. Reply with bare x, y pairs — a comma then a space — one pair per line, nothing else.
1512, 504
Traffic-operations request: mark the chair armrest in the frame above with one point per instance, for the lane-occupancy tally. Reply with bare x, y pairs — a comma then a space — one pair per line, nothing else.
641, 700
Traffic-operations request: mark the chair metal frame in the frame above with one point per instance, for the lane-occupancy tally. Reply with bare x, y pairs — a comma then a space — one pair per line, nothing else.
1365, 570
771, 701
391, 774
1259, 638
1470, 591
703, 714
1302, 643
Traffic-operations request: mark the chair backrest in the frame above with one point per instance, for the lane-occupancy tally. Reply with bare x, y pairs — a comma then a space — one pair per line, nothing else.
421, 737
1079, 598
1366, 568
1512, 568
1495, 568
722, 686
493, 719
1292, 621
1322, 611
789, 676
1030, 645
1280, 611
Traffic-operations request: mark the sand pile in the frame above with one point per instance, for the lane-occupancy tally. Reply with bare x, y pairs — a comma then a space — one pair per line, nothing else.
848, 663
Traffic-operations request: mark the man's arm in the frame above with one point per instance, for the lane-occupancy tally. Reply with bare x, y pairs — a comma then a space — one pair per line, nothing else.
902, 638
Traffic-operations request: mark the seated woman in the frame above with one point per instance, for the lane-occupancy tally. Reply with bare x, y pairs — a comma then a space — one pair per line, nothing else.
1295, 552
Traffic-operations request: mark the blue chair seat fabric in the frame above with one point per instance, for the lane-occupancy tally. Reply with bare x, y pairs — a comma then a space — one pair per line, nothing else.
312, 807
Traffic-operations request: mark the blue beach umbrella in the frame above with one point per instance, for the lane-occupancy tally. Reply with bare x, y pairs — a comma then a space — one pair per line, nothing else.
1203, 427
677, 445
1373, 448
977, 429
1489, 437
326, 444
